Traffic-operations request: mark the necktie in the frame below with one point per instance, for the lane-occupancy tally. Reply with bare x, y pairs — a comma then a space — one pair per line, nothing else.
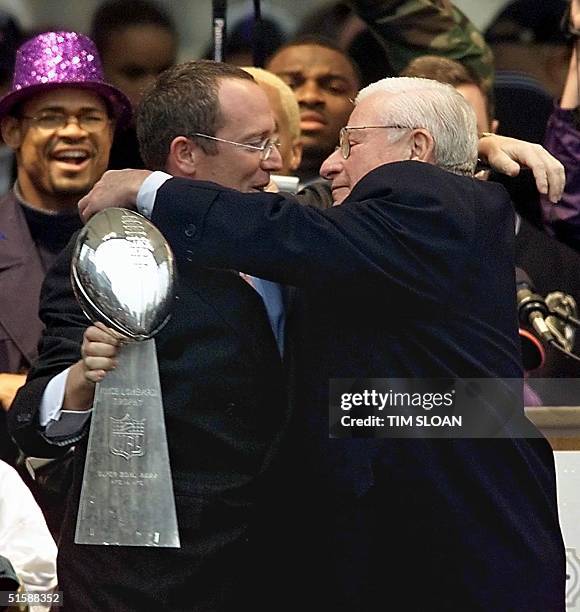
271, 294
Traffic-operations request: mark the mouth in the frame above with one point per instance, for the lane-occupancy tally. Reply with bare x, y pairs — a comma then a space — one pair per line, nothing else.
76, 159
311, 122
337, 190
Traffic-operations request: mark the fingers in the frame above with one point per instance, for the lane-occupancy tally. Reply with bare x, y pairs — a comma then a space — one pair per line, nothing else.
86, 204
556, 177
101, 196
548, 172
99, 352
111, 332
507, 155
83, 205
116, 188
503, 163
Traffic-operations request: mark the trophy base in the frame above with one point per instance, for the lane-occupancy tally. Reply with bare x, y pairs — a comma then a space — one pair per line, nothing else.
127, 493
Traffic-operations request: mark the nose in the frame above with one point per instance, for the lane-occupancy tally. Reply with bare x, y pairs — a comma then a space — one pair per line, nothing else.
274, 161
332, 165
309, 93
72, 128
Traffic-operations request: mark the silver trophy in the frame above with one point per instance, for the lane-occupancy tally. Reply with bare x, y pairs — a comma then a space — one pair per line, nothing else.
123, 274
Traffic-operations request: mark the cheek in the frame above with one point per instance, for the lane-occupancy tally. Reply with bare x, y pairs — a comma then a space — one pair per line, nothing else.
355, 171
103, 144
33, 151
341, 110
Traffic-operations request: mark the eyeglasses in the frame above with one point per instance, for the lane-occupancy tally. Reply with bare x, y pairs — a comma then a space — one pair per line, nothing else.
265, 147
89, 122
345, 143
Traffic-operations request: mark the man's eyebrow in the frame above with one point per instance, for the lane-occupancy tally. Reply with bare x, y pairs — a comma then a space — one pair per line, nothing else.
334, 75
296, 72
62, 109
324, 76
261, 135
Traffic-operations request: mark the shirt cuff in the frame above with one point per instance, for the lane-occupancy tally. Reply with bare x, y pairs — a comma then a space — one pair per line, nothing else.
58, 422
148, 192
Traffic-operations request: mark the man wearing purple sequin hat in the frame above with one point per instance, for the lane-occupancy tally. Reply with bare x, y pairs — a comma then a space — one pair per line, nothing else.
59, 118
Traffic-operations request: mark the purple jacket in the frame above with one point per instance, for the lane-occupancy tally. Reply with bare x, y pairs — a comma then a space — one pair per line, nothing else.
562, 220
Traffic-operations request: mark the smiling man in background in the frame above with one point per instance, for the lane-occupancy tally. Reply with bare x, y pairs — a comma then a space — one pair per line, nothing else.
59, 119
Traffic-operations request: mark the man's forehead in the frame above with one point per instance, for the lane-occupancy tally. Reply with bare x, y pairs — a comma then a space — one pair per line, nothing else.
66, 97
371, 110
313, 59
244, 104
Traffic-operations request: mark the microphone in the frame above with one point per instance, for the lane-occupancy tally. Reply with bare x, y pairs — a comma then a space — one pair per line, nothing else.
532, 309
219, 29
562, 320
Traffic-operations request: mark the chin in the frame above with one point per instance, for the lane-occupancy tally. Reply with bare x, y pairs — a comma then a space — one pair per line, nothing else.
67, 187
315, 147
339, 196
75, 182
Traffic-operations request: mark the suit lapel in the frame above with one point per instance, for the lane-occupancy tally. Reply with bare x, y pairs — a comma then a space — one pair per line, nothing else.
21, 276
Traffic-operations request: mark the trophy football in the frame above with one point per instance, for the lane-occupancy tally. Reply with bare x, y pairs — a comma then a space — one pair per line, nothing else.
123, 274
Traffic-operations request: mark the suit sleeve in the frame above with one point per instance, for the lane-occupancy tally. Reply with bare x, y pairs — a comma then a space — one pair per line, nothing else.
407, 241
59, 348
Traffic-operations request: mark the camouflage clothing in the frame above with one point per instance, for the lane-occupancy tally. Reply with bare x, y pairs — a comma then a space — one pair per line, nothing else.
409, 28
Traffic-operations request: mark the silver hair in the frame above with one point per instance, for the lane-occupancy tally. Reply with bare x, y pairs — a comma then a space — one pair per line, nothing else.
437, 107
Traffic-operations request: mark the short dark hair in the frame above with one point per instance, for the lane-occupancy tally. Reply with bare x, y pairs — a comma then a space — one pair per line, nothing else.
448, 71
319, 41
183, 100
114, 15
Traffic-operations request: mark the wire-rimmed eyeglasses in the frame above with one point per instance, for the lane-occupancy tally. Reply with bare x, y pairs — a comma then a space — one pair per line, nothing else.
344, 145
265, 147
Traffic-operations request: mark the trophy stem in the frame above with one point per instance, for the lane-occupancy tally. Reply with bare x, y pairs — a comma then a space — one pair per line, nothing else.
127, 494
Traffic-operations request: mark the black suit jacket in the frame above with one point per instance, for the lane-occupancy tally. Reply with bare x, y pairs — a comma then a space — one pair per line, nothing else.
225, 409
412, 276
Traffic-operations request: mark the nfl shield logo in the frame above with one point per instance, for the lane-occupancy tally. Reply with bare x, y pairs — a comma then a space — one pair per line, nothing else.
127, 437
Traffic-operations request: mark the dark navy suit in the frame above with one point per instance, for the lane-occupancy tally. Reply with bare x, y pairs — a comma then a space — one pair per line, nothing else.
411, 277
225, 411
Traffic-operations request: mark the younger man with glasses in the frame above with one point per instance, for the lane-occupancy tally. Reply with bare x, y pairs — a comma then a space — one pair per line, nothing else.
219, 364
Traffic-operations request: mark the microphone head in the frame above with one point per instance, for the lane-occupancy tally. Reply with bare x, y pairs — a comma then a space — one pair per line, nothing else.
533, 353
528, 301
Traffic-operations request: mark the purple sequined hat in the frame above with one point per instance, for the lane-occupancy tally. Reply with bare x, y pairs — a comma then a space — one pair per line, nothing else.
62, 59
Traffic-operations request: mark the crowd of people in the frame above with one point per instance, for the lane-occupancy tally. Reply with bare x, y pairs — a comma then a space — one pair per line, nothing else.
325, 228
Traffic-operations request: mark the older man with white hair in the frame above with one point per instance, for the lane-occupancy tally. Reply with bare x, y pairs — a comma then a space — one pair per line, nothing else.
410, 277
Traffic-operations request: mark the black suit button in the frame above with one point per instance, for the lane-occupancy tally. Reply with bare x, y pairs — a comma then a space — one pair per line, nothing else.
230, 408
190, 230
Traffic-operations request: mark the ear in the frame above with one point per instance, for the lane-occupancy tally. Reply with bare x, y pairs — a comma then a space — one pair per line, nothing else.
11, 132
181, 160
422, 145
296, 155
